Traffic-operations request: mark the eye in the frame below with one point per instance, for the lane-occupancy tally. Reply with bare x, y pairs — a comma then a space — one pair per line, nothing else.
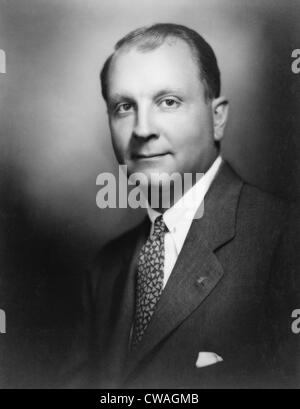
123, 108
170, 103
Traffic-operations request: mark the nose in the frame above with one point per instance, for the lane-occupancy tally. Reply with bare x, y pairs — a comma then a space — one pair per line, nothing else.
144, 124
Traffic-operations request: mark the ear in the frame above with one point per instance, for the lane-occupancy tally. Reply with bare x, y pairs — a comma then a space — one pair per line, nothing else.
220, 108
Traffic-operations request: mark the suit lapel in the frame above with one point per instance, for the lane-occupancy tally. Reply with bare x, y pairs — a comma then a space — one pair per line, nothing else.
197, 270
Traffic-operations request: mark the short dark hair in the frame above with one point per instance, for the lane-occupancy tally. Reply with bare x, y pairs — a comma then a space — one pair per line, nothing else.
149, 38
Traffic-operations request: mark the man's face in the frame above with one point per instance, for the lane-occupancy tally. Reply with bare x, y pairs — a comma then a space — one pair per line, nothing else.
159, 118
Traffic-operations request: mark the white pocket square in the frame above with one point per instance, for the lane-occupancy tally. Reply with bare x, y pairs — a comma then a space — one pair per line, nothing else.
207, 358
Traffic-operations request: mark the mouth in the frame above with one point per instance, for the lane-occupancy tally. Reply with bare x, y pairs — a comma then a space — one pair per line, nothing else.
141, 156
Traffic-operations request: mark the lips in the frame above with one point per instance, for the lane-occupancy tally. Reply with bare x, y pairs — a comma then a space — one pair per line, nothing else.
138, 155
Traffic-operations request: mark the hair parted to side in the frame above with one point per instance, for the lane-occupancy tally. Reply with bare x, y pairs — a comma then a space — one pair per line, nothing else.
148, 38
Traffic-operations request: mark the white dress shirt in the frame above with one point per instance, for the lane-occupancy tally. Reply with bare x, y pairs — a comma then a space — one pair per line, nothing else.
179, 217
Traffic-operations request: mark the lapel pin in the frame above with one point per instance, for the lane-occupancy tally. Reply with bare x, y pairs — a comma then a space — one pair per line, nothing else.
200, 281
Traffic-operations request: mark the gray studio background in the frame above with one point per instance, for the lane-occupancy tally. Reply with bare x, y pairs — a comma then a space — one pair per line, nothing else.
55, 140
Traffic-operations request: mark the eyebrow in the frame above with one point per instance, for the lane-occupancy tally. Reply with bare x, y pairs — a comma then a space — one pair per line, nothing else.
167, 91
114, 99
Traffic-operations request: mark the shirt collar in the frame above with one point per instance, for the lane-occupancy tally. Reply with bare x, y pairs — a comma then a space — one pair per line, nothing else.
180, 216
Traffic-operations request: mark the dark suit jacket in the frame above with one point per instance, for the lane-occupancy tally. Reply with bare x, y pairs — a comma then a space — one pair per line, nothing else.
224, 295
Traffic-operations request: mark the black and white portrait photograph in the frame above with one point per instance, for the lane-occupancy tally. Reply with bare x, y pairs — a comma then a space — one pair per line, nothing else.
149, 196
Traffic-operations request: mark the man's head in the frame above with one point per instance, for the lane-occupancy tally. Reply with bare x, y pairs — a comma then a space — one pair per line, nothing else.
162, 89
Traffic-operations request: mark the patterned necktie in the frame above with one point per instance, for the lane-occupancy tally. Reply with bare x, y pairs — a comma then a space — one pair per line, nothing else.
150, 278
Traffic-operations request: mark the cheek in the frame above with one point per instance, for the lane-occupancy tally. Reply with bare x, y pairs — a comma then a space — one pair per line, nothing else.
183, 132
121, 134
175, 127
198, 130
118, 147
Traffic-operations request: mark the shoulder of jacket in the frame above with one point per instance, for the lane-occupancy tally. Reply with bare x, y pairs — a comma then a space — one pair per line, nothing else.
255, 195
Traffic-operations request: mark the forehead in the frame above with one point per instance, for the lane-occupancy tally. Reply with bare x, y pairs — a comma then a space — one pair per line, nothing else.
170, 65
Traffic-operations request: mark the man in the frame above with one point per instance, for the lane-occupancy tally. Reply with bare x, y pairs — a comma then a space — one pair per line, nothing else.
182, 300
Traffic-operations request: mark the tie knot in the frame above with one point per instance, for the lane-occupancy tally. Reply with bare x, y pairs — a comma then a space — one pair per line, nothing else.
159, 226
